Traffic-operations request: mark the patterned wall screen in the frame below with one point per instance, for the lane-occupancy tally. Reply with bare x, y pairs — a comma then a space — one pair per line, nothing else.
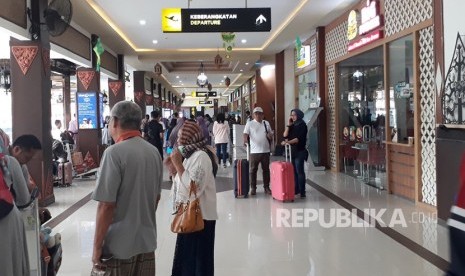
336, 42
332, 115
402, 14
428, 116
313, 52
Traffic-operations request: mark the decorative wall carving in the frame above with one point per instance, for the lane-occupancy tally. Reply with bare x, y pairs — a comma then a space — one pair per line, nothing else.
85, 77
115, 86
24, 56
453, 99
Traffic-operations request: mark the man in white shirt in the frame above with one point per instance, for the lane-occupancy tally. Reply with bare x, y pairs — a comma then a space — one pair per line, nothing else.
258, 132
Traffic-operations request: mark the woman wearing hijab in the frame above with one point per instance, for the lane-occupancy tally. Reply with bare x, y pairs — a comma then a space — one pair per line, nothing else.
174, 133
295, 135
194, 161
203, 126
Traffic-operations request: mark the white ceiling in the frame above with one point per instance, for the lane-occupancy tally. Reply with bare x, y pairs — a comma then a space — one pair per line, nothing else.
117, 23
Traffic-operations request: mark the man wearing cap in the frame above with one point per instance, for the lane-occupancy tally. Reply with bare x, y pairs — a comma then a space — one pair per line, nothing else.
258, 132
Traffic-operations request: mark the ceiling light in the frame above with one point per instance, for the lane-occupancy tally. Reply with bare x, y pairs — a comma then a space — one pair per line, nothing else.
154, 41
246, 63
241, 70
244, 41
224, 76
142, 22
177, 77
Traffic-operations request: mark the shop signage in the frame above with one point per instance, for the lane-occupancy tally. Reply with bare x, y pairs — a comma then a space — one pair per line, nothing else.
205, 93
205, 102
371, 18
366, 24
369, 38
303, 57
177, 20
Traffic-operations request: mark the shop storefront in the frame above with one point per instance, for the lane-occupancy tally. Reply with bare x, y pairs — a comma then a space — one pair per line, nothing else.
380, 92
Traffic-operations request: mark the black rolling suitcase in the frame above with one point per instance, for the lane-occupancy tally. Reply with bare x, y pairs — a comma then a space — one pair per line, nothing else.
241, 176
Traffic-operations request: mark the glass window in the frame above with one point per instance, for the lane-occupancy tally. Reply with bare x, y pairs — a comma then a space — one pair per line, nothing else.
362, 101
308, 93
401, 80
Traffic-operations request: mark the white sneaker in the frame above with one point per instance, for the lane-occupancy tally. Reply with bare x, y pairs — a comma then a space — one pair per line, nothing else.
228, 164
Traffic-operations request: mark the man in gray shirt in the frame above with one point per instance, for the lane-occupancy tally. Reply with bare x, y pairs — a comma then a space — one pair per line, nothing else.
128, 190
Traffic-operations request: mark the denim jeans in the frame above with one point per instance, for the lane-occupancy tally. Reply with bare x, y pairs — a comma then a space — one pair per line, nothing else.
298, 162
221, 152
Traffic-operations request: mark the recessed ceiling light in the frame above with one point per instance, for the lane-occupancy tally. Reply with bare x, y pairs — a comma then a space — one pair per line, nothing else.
224, 76
180, 81
244, 41
246, 63
177, 77
154, 41
142, 22
241, 70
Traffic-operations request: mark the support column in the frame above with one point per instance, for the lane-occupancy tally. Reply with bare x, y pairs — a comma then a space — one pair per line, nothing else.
139, 90
321, 80
116, 91
30, 75
67, 100
89, 140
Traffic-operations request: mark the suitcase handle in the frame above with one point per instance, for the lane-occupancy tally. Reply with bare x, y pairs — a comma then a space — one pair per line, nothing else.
287, 147
247, 149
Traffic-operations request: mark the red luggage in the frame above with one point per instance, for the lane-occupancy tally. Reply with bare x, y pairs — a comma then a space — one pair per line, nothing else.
65, 173
282, 178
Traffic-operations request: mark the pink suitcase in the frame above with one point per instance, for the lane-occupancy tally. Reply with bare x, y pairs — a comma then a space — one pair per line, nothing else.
282, 178
65, 173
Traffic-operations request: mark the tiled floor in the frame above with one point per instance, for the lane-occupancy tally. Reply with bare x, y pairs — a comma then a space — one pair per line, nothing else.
248, 241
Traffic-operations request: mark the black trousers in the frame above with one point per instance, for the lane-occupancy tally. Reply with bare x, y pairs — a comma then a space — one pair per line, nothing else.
194, 252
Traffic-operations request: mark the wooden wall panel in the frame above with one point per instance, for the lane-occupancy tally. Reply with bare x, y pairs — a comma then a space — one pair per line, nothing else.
74, 41
109, 62
14, 11
401, 164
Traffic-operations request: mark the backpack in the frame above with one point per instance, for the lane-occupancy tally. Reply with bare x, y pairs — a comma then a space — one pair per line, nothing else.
6, 197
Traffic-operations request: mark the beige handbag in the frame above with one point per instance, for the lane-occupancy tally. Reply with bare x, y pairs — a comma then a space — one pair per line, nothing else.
188, 216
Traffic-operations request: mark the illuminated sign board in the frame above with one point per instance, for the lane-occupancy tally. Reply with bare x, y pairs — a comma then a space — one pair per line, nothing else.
205, 102
369, 38
205, 93
371, 18
365, 24
304, 57
177, 20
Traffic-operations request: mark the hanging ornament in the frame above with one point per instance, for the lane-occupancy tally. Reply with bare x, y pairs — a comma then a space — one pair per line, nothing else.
228, 42
218, 60
227, 81
157, 69
209, 86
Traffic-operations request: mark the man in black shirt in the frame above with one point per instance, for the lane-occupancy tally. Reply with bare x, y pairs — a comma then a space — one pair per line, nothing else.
153, 131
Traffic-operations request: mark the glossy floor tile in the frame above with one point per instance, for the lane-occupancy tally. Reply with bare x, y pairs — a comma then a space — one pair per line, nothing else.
249, 241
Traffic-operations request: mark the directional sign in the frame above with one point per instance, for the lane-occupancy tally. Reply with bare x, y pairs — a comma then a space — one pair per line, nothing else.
204, 94
205, 102
176, 20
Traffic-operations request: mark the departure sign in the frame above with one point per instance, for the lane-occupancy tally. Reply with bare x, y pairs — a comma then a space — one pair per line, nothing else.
205, 93
176, 20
